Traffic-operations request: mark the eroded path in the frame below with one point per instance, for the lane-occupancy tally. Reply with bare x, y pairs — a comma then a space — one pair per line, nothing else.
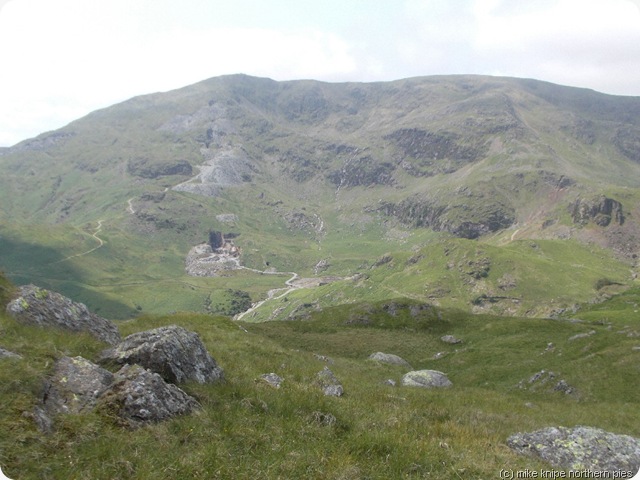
94, 235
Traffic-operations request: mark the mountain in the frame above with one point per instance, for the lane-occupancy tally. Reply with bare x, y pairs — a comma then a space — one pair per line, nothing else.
489, 194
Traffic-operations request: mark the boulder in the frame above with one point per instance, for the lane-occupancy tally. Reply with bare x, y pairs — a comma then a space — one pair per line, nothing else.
74, 386
426, 379
176, 354
7, 354
389, 358
330, 385
37, 306
272, 379
582, 335
580, 448
139, 397
450, 339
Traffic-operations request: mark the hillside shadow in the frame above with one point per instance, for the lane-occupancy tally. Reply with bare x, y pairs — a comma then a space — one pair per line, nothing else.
28, 262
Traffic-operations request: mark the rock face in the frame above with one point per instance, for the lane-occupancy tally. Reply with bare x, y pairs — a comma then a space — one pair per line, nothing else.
426, 379
330, 385
601, 210
464, 221
173, 352
139, 397
37, 306
389, 359
580, 448
148, 168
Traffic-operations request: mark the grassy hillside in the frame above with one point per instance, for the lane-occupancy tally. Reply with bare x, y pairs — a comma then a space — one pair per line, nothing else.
247, 429
107, 208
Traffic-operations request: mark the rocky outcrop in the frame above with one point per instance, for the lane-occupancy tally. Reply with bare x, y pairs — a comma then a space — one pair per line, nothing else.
389, 359
147, 168
134, 395
426, 153
547, 381
176, 354
329, 383
600, 210
476, 217
37, 306
364, 171
426, 379
581, 448
139, 397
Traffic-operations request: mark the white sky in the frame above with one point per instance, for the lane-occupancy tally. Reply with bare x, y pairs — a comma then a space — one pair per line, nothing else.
61, 59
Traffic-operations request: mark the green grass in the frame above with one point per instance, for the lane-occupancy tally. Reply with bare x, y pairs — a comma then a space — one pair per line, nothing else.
249, 430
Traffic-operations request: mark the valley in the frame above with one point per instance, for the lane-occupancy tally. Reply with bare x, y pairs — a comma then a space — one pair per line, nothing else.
370, 181
482, 231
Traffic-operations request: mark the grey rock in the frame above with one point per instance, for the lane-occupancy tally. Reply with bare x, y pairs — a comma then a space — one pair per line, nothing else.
545, 379
580, 448
330, 385
323, 358
324, 419
37, 306
176, 354
7, 354
139, 397
450, 339
42, 419
389, 382
582, 335
272, 379
74, 386
600, 210
426, 379
439, 355
389, 359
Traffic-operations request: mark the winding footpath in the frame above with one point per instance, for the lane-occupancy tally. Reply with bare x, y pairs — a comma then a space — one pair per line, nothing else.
271, 293
94, 235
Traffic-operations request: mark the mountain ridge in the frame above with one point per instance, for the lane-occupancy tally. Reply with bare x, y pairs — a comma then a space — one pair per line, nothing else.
303, 163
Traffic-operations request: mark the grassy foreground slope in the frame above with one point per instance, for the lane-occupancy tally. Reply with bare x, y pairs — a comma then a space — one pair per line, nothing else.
248, 430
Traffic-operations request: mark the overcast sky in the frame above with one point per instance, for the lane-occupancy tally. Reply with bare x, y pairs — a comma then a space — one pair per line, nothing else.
61, 59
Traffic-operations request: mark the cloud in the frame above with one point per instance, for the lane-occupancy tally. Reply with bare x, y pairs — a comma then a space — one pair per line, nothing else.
98, 55
62, 59
576, 42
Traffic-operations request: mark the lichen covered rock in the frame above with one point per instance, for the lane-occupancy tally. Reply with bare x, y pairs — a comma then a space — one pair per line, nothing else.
139, 397
426, 379
74, 386
389, 359
37, 306
580, 448
329, 383
176, 354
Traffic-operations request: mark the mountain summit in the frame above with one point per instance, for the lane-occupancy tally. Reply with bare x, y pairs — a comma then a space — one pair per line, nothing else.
484, 193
